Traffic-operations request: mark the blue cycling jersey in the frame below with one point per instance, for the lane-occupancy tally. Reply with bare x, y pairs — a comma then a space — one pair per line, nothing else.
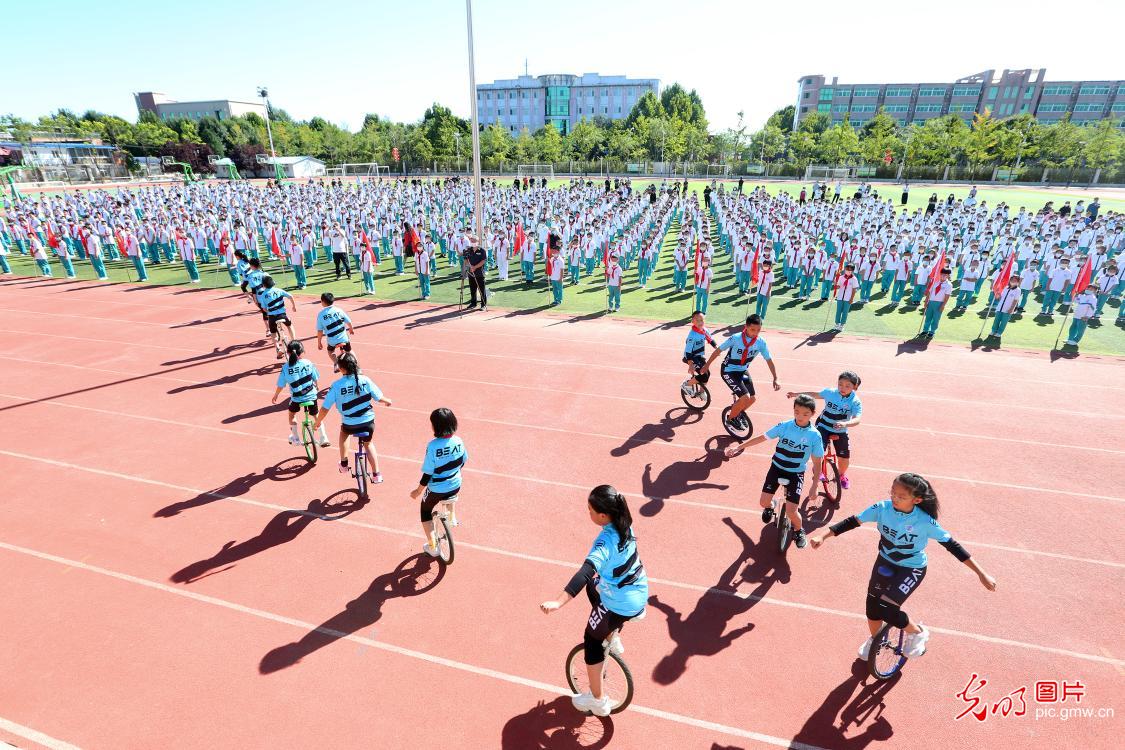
741, 351
354, 400
838, 408
903, 536
272, 300
794, 445
444, 458
333, 323
301, 379
624, 584
696, 343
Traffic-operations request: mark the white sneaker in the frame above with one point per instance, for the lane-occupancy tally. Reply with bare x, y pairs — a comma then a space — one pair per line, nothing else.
865, 648
294, 440
915, 644
325, 443
616, 646
431, 551
588, 704
378, 478
345, 469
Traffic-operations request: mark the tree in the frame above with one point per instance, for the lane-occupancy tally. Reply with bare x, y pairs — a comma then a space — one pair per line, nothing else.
878, 136
245, 156
1018, 139
585, 141
648, 107
802, 146
783, 118
1061, 144
419, 150
194, 154
549, 144
1103, 144
496, 143
442, 128
524, 150
685, 106
839, 144
212, 133
624, 146
768, 143
815, 122
150, 137
980, 145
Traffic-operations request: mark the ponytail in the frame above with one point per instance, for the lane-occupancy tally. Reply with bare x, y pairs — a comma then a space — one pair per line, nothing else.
851, 377
350, 366
917, 486
606, 499
295, 349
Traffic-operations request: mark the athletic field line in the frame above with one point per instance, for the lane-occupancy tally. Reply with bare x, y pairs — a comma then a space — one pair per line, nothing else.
244, 500
440, 661
33, 735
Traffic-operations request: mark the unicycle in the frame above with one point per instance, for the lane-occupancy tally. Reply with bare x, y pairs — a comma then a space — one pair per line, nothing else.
360, 470
740, 430
443, 530
830, 473
617, 680
695, 395
784, 525
308, 435
887, 655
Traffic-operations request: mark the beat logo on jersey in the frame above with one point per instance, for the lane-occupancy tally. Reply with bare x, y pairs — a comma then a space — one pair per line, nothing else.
449, 450
801, 446
906, 536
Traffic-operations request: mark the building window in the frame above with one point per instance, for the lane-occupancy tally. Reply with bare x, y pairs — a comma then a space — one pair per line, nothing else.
992, 90
1119, 107
1089, 107
1051, 121
805, 95
863, 108
808, 81
928, 108
962, 107
899, 91
824, 108
966, 90
826, 95
931, 91
1028, 92
1121, 90
1092, 90
866, 92
1058, 90
1052, 108
897, 108
841, 108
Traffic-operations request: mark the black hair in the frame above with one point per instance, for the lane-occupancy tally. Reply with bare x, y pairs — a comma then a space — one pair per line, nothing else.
917, 486
349, 365
754, 320
849, 376
444, 422
267, 281
255, 263
328, 298
606, 499
806, 401
240, 254
295, 350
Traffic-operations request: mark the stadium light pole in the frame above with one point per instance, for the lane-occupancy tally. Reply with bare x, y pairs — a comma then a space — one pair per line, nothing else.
475, 123
264, 93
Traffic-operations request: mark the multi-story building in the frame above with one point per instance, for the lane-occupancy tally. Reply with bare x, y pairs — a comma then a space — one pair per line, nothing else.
560, 99
170, 109
1013, 92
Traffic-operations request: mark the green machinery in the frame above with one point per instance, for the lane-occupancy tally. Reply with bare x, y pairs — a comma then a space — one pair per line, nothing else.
224, 167
278, 171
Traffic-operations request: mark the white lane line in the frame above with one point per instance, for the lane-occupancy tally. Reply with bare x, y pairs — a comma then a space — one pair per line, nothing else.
242, 499
758, 453
580, 364
589, 394
488, 331
33, 735
440, 661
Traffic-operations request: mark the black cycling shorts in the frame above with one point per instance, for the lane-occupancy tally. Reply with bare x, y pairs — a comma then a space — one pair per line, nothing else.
430, 501
310, 406
344, 347
890, 583
600, 624
739, 383
273, 320
354, 429
843, 445
792, 490
698, 361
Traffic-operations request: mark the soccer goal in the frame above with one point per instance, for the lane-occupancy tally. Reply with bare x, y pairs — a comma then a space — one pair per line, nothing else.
718, 170
364, 170
536, 170
821, 172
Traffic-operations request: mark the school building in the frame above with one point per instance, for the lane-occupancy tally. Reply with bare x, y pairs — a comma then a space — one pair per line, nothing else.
1012, 92
560, 99
170, 109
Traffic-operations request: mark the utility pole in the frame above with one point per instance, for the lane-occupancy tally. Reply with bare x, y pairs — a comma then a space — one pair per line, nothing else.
264, 93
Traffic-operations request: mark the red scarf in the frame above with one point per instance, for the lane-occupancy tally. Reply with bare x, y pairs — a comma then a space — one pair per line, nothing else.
703, 332
746, 346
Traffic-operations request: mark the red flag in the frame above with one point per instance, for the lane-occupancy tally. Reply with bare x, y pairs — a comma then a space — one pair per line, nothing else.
754, 266
1084, 275
935, 273
697, 259
1001, 282
363, 240
52, 240
224, 243
520, 237
274, 247
120, 241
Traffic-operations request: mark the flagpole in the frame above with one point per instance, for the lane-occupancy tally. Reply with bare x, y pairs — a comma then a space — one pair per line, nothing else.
475, 124
1061, 329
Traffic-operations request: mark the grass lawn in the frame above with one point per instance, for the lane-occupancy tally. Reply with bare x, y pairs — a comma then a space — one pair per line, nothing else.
657, 302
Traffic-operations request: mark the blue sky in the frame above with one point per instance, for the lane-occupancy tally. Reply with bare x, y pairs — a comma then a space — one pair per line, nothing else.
343, 58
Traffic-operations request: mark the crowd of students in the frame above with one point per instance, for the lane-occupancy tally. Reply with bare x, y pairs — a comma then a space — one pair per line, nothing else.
847, 253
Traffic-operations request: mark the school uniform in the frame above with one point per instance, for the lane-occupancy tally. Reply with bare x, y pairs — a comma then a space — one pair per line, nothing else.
39, 254
613, 280
902, 277
702, 288
555, 276
133, 251
765, 291
1006, 304
968, 287
846, 288
295, 253
937, 297
1084, 307
1057, 280
422, 266
679, 272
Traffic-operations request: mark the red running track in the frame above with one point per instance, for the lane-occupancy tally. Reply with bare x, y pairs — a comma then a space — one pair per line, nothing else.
169, 557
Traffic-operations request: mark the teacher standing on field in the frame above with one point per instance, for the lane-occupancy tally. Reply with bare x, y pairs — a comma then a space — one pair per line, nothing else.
475, 257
